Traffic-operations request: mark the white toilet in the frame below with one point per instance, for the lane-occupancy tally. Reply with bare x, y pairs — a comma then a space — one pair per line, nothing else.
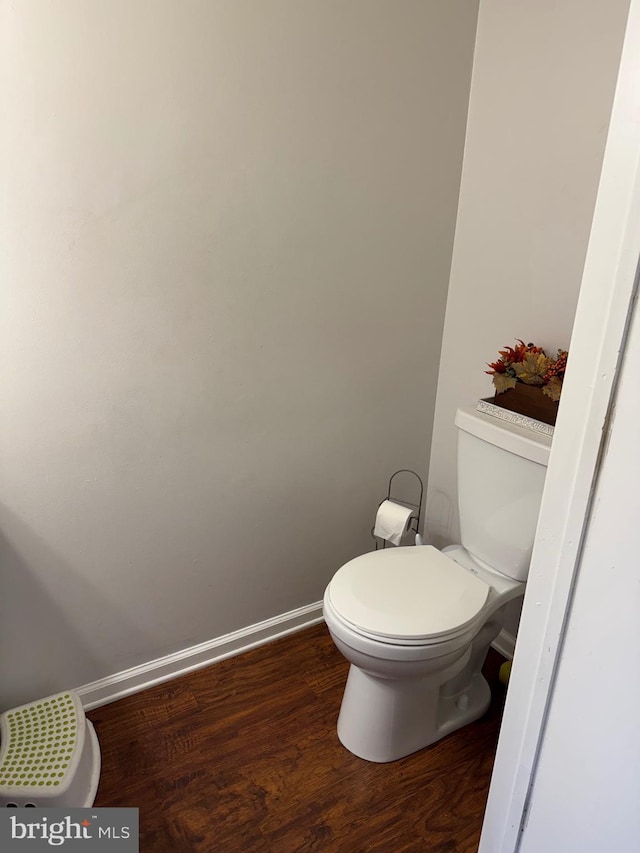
416, 623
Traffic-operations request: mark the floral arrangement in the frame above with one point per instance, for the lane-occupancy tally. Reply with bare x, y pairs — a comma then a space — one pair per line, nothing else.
529, 364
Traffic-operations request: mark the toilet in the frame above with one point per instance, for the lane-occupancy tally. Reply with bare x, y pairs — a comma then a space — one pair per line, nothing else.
416, 623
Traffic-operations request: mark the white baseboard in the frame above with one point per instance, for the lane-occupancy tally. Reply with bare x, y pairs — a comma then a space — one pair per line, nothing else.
145, 675
505, 643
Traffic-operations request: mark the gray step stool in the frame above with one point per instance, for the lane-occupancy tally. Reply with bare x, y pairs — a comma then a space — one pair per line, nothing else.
49, 754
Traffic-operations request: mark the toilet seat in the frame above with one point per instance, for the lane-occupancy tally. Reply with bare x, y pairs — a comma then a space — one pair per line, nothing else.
407, 596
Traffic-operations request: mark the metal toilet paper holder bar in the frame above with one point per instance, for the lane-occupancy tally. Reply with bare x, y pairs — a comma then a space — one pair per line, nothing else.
414, 523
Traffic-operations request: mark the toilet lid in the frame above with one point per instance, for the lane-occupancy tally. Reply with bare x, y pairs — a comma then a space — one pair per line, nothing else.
407, 593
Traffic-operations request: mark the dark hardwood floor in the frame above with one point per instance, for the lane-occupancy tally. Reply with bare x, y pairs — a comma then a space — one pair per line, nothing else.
243, 757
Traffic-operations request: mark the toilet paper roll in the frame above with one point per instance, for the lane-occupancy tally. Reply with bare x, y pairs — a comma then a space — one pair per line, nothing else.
392, 520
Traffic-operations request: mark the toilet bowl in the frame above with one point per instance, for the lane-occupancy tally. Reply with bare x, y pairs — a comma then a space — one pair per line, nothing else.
415, 671
415, 623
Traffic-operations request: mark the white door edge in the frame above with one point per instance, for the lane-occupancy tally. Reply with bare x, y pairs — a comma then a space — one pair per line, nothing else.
596, 348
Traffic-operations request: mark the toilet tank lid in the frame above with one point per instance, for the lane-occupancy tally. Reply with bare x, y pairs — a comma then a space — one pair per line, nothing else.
407, 593
511, 437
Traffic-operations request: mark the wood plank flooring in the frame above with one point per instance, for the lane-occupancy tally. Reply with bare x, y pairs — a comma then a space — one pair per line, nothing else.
243, 757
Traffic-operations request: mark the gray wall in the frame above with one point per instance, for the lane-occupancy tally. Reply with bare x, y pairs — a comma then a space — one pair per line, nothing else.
542, 88
228, 233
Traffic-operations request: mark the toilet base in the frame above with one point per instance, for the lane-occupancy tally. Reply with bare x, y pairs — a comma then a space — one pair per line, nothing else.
382, 719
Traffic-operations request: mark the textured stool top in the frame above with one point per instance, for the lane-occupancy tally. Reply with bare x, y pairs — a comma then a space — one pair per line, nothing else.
41, 742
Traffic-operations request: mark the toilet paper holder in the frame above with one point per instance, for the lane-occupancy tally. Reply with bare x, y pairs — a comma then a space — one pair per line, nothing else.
414, 523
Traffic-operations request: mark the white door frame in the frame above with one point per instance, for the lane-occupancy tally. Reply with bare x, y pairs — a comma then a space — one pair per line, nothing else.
597, 343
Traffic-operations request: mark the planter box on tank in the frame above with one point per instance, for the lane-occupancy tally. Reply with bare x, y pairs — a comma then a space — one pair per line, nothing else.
527, 400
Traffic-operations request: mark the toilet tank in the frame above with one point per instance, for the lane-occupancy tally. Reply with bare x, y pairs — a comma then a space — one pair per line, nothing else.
501, 471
